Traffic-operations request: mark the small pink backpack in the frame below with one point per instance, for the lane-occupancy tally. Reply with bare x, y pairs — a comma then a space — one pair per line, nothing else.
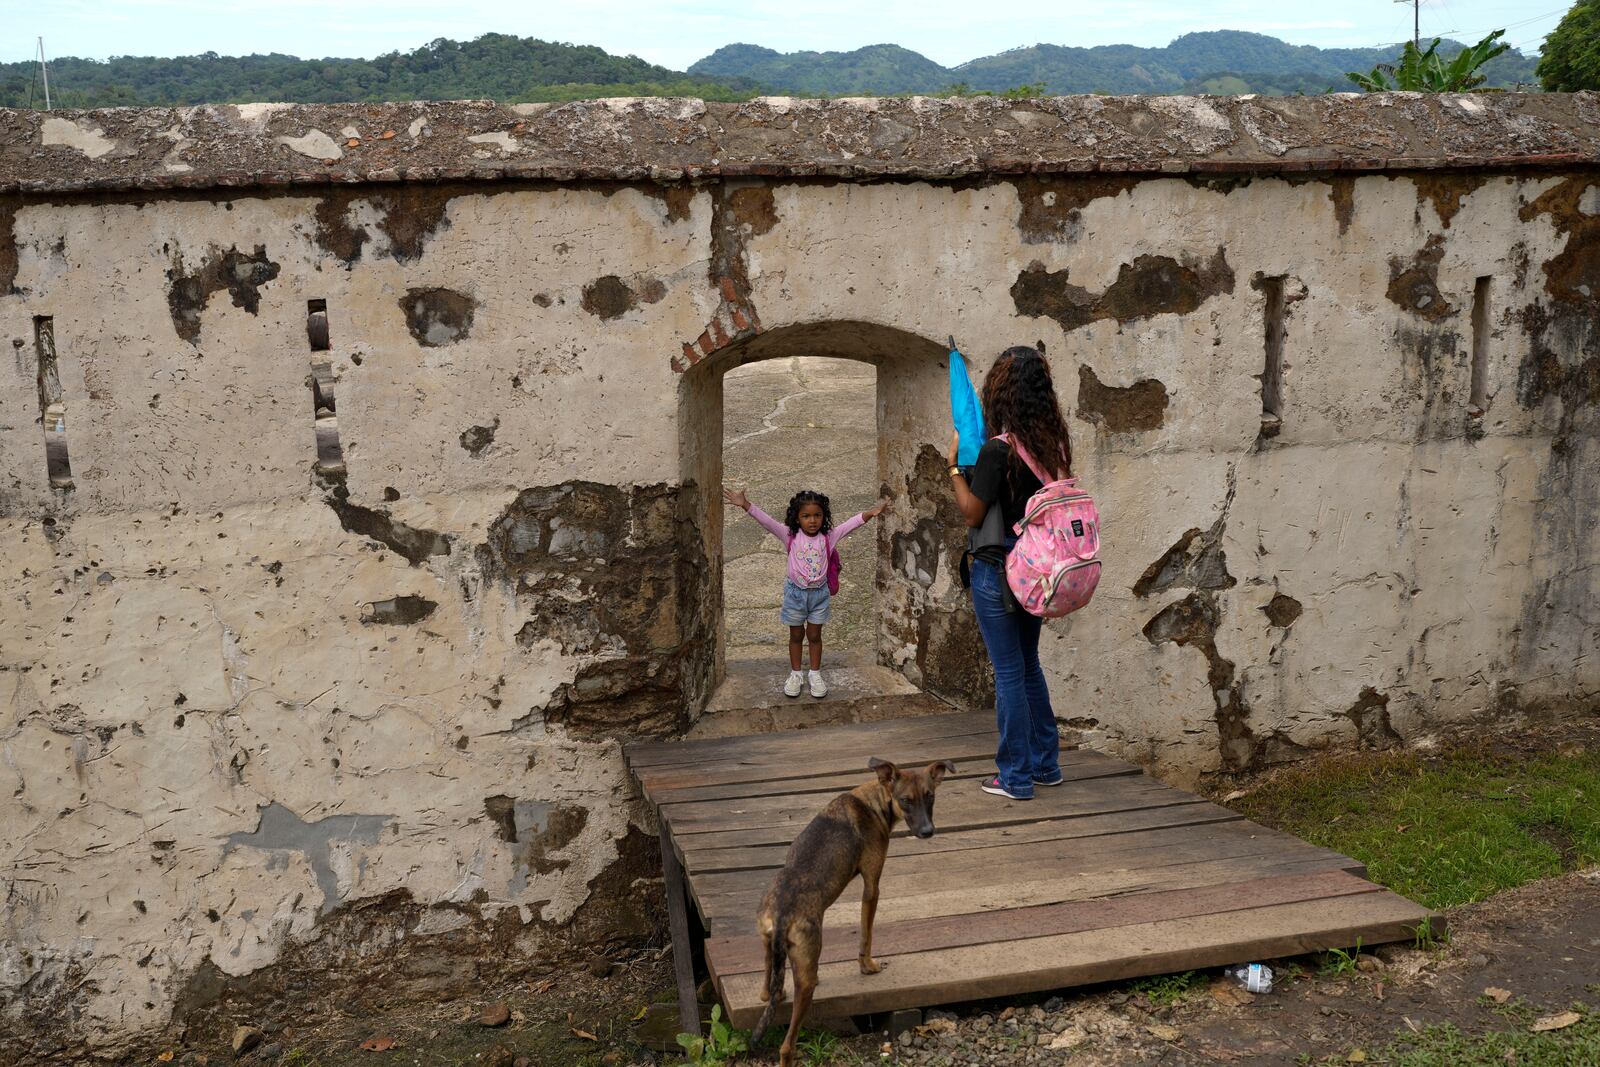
1055, 565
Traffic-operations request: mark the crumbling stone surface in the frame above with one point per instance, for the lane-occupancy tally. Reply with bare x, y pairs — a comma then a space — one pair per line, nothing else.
1121, 409
240, 274
671, 139
1150, 285
603, 573
437, 317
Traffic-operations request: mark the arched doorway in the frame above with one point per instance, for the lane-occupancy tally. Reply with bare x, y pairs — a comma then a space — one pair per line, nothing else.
922, 630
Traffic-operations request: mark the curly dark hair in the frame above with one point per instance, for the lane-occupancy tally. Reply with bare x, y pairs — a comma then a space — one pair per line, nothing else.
807, 496
1019, 398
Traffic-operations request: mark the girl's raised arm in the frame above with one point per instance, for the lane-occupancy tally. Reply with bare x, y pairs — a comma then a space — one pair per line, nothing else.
738, 499
854, 523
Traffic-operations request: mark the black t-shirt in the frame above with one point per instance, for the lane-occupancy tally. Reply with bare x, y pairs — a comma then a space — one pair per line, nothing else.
991, 482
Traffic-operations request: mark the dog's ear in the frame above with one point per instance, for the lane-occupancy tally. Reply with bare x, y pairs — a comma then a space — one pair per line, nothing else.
938, 769
886, 770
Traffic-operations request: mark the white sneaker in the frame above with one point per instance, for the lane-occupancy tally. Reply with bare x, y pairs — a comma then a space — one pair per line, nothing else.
819, 688
791, 688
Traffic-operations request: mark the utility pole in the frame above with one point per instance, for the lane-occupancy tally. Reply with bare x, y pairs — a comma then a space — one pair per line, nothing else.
45, 72
1416, 22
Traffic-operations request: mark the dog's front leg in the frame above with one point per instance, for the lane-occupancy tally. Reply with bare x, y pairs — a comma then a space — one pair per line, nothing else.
869, 910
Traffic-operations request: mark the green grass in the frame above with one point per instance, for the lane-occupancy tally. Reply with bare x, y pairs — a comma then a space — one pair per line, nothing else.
1445, 1046
1336, 961
816, 1047
1445, 830
1166, 988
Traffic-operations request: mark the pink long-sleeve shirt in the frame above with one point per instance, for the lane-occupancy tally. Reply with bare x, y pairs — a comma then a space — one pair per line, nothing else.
808, 555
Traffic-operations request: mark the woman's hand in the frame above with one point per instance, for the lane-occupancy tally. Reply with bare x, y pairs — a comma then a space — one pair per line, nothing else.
955, 449
737, 498
882, 508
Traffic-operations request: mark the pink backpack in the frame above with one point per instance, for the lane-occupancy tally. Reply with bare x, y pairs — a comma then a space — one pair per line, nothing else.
1055, 565
835, 565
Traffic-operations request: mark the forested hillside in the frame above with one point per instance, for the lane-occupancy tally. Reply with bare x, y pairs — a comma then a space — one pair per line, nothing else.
513, 69
495, 66
1228, 61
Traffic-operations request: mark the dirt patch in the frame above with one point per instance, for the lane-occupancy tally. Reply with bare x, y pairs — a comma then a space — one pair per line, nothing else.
1051, 209
477, 438
1192, 623
677, 199
1370, 714
1573, 275
1121, 409
609, 297
1149, 286
1414, 286
1342, 192
438, 317
240, 274
1195, 561
1446, 191
754, 209
1282, 610
414, 543
411, 215
8, 245
399, 611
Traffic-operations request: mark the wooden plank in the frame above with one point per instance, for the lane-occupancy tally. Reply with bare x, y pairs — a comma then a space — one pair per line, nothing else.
968, 765
682, 947
735, 914
933, 872
962, 750
987, 971
817, 739
698, 861
963, 806
1024, 884
682, 812
728, 956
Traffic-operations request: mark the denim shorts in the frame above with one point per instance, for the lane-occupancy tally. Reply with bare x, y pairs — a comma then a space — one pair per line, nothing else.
801, 606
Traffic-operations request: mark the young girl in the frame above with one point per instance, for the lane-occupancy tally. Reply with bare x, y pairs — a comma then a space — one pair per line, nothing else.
809, 536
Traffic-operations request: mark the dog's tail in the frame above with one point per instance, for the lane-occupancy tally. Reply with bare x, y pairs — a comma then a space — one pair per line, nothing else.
777, 956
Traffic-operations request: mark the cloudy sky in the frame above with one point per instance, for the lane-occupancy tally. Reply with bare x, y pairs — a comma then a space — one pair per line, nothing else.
675, 33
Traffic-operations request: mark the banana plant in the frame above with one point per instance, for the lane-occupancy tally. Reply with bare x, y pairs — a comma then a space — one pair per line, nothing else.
1426, 71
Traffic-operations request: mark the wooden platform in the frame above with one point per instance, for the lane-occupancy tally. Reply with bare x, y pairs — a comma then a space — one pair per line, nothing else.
1112, 875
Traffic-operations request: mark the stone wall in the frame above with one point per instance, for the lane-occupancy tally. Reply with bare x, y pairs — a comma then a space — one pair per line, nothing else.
263, 718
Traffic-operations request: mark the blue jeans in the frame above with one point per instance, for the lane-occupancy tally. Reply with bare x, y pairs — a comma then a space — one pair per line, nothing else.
1029, 743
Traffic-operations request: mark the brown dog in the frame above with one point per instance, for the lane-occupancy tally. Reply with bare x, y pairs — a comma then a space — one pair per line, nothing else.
848, 837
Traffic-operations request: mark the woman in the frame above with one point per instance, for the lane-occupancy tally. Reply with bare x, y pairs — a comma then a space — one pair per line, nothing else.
1019, 399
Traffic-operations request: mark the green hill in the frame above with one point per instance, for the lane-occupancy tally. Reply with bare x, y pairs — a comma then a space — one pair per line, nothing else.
495, 66
878, 69
1221, 60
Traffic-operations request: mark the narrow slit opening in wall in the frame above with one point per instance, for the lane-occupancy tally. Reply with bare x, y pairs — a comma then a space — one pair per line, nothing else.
52, 409
1272, 369
1478, 400
324, 406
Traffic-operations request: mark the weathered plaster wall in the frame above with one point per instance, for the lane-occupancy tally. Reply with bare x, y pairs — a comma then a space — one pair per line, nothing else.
258, 720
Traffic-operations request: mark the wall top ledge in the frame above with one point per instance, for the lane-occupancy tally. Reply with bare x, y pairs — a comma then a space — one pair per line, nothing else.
667, 140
